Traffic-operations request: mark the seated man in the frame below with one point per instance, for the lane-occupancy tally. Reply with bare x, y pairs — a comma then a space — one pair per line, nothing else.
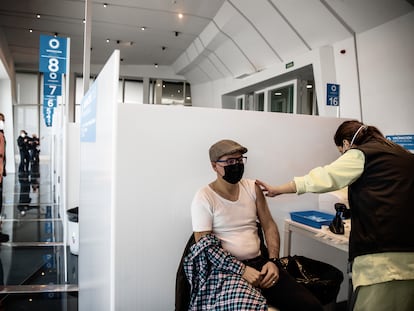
228, 210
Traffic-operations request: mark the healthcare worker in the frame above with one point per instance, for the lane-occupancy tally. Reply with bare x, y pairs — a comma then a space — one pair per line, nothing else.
380, 179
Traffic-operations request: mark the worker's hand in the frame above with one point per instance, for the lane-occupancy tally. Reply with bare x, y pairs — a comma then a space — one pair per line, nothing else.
270, 191
252, 276
270, 275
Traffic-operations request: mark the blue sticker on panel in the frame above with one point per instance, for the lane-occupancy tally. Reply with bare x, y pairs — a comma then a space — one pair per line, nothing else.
406, 141
88, 115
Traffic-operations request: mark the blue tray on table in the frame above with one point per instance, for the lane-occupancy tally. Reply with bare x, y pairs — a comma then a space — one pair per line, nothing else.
314, 219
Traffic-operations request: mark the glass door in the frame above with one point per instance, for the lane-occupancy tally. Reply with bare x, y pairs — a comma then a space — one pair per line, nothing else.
282, 98
259, 101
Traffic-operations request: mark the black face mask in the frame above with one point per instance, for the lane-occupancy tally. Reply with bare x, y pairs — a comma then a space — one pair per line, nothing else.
233, 173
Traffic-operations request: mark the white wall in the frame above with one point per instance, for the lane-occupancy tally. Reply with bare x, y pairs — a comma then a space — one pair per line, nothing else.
73, 165
322, 60
6, 108
6, 61
387, 75
158, 172
7, 97
347, 78
386, 68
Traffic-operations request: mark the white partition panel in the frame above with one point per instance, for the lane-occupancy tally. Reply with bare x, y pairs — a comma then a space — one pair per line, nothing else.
96, 221
162, 159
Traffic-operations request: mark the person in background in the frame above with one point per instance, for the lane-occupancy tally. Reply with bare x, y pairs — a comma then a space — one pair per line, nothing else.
228, 210
3, 237
380, 179
23, 143
34, 152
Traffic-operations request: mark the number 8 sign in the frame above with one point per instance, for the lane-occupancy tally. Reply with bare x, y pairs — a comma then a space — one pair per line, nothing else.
52, 54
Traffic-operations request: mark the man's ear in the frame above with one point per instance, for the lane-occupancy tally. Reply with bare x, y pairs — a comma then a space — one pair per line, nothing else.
213, 165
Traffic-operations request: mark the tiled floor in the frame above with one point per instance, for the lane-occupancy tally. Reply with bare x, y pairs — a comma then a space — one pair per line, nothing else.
37, 271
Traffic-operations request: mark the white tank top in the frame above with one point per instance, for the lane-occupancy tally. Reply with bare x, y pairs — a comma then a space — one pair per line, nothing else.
233, 222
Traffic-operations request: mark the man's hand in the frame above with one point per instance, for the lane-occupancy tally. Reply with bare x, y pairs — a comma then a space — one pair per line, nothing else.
270, 275
252, 276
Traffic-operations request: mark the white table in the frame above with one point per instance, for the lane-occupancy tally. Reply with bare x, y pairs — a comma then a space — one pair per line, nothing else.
323, 235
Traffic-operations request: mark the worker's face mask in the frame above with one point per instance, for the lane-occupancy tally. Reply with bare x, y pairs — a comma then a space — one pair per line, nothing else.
1, 125
233, 173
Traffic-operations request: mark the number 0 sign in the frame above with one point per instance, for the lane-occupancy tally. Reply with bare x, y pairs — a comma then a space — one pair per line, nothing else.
52, 54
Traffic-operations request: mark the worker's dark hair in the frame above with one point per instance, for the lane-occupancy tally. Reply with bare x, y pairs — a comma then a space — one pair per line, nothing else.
348, 129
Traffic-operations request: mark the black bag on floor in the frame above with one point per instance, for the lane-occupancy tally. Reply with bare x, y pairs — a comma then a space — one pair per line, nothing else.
322, 279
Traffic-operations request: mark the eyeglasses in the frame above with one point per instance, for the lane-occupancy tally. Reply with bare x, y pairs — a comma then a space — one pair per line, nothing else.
232, 161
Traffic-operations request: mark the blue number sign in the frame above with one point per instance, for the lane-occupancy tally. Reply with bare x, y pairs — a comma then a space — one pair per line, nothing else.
332, 94
52, 62
52, 54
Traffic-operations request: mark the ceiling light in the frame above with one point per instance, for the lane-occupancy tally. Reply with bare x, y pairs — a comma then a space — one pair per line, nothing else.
37, 15
105, 5
124, 43
278, 93
31, 30
180, 15
309, 86
156, 65
143, 28
107, 40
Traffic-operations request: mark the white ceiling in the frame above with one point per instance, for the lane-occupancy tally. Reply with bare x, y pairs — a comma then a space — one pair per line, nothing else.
216, 38
120, 20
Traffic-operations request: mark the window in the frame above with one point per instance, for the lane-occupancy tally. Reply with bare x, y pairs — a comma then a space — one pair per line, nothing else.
259, 101
239, 102
133, 92
164, 92
281, 99
28, 110
291, 92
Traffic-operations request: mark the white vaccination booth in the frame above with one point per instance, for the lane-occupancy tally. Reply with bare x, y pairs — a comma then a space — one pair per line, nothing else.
139, 174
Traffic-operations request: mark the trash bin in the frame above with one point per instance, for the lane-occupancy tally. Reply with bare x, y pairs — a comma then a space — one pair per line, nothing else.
322, 279
73, 230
